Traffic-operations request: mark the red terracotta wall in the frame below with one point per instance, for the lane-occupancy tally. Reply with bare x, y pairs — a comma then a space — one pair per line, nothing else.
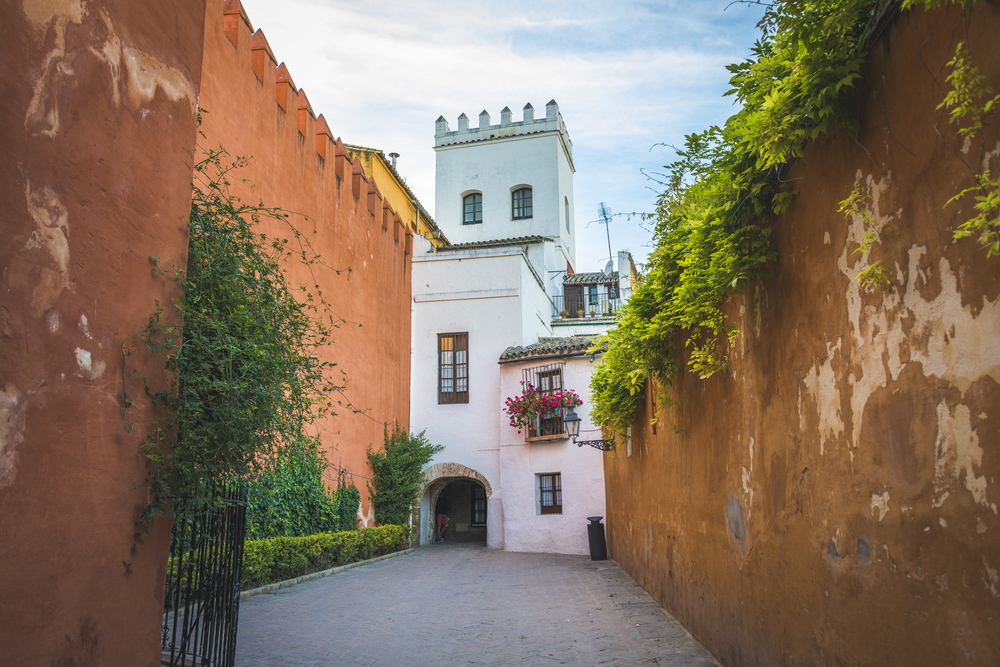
254, 108
98, 119
832, 499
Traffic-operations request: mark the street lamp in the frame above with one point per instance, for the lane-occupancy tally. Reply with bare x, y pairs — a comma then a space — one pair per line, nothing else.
571, 421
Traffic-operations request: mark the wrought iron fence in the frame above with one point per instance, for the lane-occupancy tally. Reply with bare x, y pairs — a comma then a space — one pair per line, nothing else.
584, 305
202, 601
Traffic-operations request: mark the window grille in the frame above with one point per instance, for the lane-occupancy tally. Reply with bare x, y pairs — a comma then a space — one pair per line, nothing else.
478, 506
453, 368
550, 487
547, 379
521, 203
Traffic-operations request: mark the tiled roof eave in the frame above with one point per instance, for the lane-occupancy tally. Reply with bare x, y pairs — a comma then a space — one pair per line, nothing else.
497, 243
547, 355
548, 348
591, 278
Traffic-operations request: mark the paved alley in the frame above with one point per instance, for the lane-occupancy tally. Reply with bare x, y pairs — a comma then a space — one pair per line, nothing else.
464, 604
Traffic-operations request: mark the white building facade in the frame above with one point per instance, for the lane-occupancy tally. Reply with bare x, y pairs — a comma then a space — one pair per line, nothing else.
486, 315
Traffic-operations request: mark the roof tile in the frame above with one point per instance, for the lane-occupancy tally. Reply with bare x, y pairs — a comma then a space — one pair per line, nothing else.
549, 347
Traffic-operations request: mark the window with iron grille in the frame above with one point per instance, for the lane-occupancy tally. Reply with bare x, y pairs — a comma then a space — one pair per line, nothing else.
547, 379
453, 368
478, 506
472, 206
550, 493
521, 203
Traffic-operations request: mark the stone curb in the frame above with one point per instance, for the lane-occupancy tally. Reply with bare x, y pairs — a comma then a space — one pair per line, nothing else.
288, 583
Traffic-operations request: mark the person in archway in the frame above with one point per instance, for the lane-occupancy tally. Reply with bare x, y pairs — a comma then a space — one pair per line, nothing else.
442, 522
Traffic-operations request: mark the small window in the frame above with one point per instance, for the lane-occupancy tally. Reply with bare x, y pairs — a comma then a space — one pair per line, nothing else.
566, 204
594, 300
473, 209
453, 368
478, 506
550, 488
521, 203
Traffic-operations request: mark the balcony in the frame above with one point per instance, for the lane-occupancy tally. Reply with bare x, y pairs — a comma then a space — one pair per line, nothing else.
546, 429
585, 305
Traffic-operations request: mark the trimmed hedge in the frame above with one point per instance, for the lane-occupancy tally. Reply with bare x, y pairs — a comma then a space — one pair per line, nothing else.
280, 558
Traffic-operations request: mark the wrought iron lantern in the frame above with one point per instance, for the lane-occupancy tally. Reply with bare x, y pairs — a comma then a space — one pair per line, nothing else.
571, 421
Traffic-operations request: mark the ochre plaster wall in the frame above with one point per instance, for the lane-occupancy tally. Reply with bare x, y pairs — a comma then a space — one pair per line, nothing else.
253, 108
99, 120
832, 499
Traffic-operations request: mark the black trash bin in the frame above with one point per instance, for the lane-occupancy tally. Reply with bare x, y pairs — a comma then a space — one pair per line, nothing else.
595, 533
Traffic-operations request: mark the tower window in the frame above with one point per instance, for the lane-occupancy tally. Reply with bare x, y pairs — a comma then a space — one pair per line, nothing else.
521, 203
473, 209
566, 205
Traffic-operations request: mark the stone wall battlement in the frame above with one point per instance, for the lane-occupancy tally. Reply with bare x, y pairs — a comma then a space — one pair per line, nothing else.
255, 69
552, 121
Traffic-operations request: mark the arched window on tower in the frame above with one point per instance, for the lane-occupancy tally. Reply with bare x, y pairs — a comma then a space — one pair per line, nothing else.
472, 206
521, 204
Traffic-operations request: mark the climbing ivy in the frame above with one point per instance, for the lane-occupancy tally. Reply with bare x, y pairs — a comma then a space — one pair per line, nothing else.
242, 349
289, 497
970, 103
710, 234
858, 205
397, 471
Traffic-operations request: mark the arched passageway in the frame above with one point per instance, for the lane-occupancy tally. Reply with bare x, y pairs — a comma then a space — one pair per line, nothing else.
462, 494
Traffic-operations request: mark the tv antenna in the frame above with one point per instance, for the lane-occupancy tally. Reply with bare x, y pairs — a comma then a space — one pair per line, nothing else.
604, 218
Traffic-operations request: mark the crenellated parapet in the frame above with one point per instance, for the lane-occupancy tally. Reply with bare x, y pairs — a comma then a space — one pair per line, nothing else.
284, 128
485, 131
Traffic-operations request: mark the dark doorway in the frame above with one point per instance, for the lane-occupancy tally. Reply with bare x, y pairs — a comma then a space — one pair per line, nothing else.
464, 502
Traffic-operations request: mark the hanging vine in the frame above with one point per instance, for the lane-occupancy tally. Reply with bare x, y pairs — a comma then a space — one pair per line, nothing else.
243, 348
710, 237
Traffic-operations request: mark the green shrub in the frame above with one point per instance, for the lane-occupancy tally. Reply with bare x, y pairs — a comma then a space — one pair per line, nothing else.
280, 558
289, 497
346, 501
397, 471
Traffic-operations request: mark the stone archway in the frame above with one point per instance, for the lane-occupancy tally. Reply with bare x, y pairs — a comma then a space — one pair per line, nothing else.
435, 479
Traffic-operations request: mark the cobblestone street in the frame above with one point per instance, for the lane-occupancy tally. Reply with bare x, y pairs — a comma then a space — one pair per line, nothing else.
464, 604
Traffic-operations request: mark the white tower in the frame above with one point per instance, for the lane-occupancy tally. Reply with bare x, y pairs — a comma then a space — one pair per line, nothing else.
507, 181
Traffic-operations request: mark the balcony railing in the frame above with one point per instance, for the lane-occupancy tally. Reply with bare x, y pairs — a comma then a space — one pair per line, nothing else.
546, 429
585, 306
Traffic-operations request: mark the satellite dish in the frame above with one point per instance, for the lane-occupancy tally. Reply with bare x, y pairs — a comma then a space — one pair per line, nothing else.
609, 268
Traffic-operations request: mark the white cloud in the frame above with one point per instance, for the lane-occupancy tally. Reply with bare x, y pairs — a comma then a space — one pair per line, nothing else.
626, 75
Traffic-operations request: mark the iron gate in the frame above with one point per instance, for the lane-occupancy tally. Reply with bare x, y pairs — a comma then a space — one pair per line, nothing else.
202, 601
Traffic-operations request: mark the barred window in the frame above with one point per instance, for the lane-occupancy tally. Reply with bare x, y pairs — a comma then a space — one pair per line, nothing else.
521, 203
453, 368
550, 488
546, 379
473, 209
478, 506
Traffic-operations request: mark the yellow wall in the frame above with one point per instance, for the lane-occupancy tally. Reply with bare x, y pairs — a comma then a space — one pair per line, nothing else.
395, 193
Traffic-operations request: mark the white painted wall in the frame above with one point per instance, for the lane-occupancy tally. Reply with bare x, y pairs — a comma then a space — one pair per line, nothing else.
494, 296
582, 470
494, 162
502, 297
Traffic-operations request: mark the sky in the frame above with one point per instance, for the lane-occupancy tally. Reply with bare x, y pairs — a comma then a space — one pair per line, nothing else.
628, 76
